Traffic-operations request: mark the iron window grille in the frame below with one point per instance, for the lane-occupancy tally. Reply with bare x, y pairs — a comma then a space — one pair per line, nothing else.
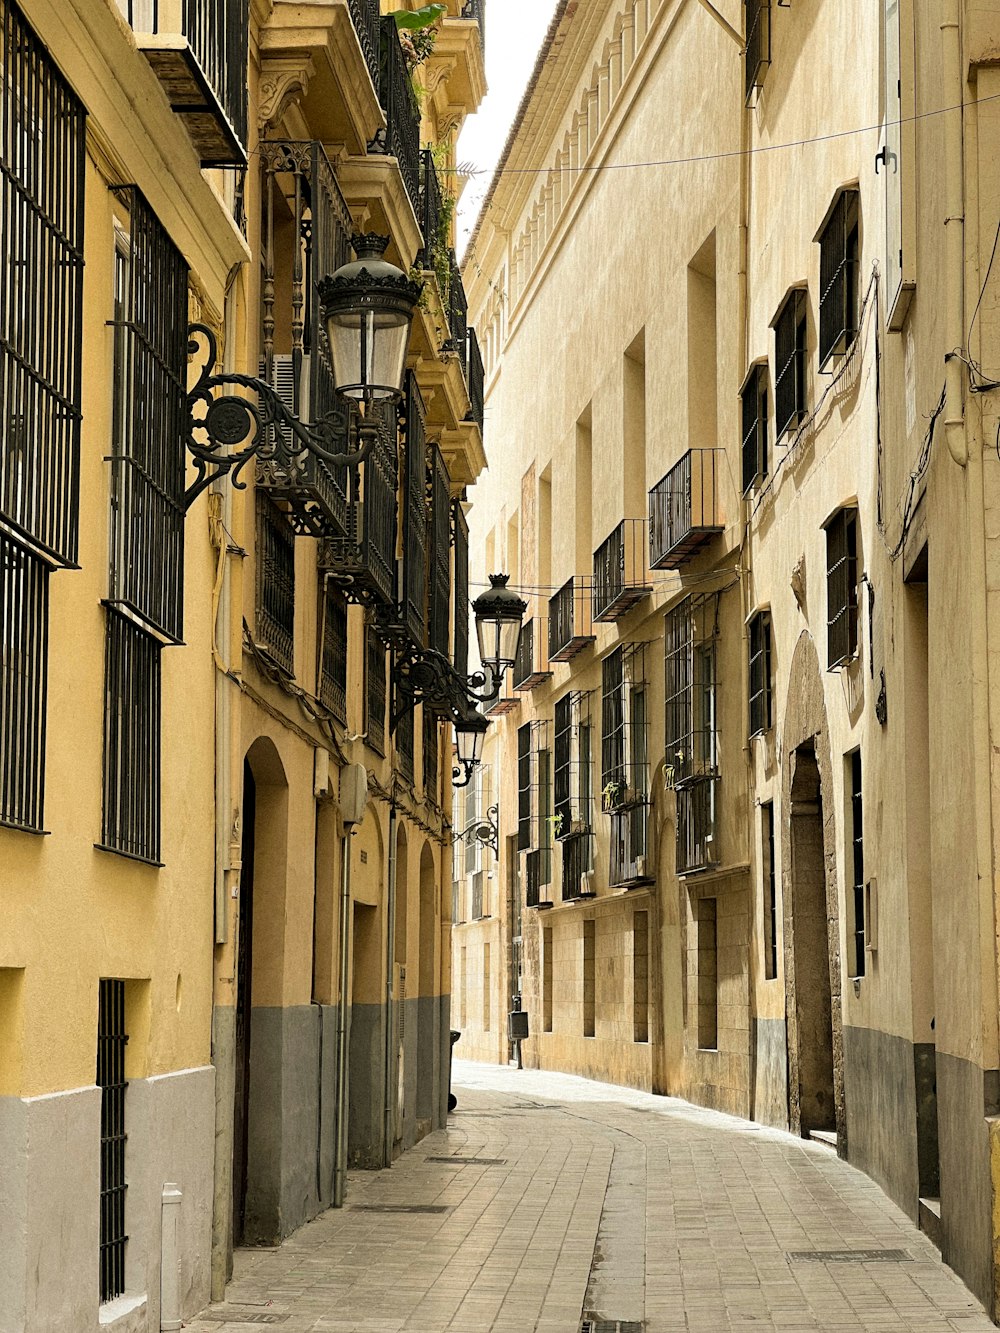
42, 168
306, 228
857, 866
404, 738
690, 637
630, 844
620, 575
375, 690
478, 886
577, 866
431, 748
757, 55
333, 651
524, 787
275, 614
414, 515
132, 767
696, 847
572, 780
476, 378
439, 548
473, 808
790, 362
24, 627
624, 761
146, 576
754, 408
838, 269
112, 1038
571, 625
760, 672
538, 875
460, 531
684, 509
841, 588
770, 891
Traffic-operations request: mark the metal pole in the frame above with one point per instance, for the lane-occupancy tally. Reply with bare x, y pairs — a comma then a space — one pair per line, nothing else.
340, 1145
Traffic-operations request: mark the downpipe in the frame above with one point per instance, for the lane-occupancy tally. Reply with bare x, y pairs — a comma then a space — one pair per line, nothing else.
954, 231
340, 1142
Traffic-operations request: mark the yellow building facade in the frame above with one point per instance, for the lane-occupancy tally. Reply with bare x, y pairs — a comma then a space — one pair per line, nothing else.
735, 288
189, 664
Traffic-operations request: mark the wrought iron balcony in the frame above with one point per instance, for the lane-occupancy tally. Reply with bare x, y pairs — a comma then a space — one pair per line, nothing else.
431, 212
198, 50
401, 137
365, 15
307, 230
501, 706
621, 577
458, 314
697, 848
684, 509
476, 9
571, 625
577, 866
532, 665
538, 875
476, 379
363, 562
629, 846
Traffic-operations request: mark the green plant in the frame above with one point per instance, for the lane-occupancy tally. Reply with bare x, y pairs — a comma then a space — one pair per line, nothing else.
557, 823
418, 31
612, 792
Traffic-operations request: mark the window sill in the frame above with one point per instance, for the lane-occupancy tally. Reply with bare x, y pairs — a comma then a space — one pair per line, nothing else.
129, 856
125, 1314
25, 828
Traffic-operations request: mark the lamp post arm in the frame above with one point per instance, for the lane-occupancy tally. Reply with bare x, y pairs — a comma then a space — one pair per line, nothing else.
425, 675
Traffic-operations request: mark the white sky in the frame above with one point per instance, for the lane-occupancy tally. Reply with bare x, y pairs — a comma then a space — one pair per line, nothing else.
514, 32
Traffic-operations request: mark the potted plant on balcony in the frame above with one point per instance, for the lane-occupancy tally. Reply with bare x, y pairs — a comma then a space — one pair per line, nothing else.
418, 32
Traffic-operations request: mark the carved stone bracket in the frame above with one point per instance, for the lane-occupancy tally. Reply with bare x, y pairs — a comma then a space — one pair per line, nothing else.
284, 82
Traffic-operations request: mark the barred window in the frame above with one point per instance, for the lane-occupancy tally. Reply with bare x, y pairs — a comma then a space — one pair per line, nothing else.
612, 727
131, 809
333, 650
768, 879
524, 787
42, 167
415, 515
431, 746
375, 691
690, 632
838, 270
404, 743
790, 362
460, 656
696, 845
754, 399
112, 1038
760, 672
757, 53
150, 406
24, 623
439, 553
841, 588
275, 616
572, 773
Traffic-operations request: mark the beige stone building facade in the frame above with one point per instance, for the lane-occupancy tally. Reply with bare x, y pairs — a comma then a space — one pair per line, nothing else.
735, 286
195, 669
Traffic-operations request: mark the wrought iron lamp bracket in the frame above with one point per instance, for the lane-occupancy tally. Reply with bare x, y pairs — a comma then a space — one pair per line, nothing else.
484, 831
224, 433
423, 675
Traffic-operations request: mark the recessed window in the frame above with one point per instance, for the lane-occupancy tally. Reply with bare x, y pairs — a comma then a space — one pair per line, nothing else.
112, 1038
757, 54
24, 623
856, 862
838, 284
768, 884
760, 672
842, 588
790, 363
754, 399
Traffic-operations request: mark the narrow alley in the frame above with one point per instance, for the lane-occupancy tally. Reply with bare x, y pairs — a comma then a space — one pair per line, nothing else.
551, 1201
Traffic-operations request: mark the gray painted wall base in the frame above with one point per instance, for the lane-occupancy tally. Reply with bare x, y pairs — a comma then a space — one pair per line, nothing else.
770, 1093
965, 1096
882, 1112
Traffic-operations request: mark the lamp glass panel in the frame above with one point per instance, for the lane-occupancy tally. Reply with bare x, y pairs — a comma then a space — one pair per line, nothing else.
469, 744
369, 352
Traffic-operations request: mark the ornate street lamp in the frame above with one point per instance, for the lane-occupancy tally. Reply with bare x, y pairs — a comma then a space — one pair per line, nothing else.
499, 613
470, 731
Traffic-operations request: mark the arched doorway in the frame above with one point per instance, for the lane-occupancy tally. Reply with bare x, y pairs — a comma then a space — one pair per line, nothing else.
259, 967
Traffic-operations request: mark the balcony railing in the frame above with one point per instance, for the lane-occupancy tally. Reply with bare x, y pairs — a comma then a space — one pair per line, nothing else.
476, 379
577, 866
531, 667
458, 314
571, 625
629, 846
205, 77
307, 231
684, 510
697, 848
364, 562
621, 577
538, 875
431, 211
401, 138
365, 15
476, 9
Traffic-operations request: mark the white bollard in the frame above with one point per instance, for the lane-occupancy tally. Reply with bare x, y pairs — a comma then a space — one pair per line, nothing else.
170, 1258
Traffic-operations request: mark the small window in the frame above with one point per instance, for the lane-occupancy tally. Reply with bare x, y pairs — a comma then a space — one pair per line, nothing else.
841, 588
132, 751
754, 397
768, 883
838, 269
760, 672
757, 55
524, 787
24, 627
790, 363
112, 1038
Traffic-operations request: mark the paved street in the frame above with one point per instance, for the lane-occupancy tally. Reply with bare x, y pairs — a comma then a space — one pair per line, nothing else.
562, 1199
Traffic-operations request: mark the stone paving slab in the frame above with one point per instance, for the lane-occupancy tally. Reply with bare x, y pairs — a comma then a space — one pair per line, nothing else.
609, 1204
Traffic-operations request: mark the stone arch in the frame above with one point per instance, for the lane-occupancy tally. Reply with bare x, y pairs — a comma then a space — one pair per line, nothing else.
810, 898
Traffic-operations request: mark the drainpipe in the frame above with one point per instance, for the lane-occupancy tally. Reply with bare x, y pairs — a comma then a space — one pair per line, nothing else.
390, 959
954, 224
340, 1142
